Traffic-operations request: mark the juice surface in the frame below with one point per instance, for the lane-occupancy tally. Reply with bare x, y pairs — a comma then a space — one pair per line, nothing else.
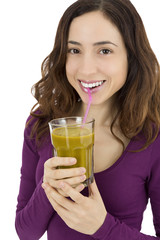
75, 142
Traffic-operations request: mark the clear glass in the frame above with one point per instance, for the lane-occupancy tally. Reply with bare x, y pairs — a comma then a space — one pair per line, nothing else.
71, 138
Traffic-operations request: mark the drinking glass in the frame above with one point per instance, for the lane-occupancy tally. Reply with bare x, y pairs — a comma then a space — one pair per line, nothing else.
72, 138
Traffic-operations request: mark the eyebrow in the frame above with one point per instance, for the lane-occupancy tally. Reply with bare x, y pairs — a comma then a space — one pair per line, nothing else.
94, 44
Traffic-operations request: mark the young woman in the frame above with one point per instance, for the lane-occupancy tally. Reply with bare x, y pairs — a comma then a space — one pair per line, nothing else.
100, 44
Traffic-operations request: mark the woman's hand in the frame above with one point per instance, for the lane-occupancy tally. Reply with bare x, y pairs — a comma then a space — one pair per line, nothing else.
73, 176
83, 214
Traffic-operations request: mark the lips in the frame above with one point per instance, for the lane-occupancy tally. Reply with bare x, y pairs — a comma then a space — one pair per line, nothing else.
94, 86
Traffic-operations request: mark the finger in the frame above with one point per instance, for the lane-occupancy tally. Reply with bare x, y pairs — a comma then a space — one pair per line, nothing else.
49, 191
60, 204
50, 175
62, 193
60, 161
78, 188
56, 198
71, 181
72, 193
67, 173
93, 190
75, 180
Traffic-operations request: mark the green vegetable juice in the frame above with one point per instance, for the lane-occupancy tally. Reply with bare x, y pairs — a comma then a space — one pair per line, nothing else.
75, 142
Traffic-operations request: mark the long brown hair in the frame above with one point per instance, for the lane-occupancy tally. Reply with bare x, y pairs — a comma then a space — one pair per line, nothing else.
138, 99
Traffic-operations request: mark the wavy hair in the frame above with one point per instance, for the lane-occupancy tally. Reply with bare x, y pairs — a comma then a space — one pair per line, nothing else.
138, 99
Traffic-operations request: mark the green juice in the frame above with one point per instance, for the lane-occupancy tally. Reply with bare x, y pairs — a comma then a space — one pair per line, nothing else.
75, 142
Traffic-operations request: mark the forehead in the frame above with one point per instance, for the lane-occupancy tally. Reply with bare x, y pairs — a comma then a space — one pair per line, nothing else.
93, 26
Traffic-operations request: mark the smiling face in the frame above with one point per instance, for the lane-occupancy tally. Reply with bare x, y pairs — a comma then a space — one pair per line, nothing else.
96, 58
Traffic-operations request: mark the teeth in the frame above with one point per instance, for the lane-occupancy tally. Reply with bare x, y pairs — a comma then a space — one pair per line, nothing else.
91, 85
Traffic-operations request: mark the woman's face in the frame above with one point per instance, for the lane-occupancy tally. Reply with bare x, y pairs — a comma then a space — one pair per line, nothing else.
96, 58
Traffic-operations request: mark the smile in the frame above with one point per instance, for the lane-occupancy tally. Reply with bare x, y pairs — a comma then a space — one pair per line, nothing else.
91, 85
94, 86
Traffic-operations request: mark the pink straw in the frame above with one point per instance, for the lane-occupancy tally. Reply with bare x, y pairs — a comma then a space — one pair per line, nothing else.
88, 106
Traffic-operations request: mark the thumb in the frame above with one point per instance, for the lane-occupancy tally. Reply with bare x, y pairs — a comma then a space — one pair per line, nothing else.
93, 190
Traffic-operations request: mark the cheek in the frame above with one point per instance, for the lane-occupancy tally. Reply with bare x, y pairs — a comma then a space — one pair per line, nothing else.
123, 70
69, 72
70, 67
118, 71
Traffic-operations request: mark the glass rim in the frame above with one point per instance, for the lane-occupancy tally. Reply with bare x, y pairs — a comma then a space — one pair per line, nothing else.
90, 120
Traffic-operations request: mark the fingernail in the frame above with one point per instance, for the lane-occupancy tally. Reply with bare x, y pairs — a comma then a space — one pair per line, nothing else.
83, 177
83, 170
81, 187
73, 160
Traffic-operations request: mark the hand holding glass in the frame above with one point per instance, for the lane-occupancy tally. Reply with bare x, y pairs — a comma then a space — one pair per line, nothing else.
73, 138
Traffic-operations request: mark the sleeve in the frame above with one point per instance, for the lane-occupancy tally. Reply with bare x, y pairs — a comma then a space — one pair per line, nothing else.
113, 229
33, 211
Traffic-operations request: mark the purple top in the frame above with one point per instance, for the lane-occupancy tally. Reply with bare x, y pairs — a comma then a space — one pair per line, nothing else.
125, 188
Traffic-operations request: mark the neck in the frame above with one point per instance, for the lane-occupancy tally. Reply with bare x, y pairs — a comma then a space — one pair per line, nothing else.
102, 113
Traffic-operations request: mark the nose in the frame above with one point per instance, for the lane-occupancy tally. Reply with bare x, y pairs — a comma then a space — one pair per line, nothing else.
87, 66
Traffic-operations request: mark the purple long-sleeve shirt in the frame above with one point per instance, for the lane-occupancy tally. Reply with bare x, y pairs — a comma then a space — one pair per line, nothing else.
125, 188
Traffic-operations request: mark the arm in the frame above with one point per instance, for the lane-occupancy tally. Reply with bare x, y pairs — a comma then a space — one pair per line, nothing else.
88, 215
33, 209
112, 228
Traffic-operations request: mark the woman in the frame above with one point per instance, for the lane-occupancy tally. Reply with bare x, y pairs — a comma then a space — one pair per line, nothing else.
100, 44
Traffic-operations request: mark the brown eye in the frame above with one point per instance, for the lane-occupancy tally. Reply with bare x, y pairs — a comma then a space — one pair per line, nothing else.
105, 51
73, 51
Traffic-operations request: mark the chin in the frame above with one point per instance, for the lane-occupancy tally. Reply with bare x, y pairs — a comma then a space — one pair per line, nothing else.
84, 100
94, 102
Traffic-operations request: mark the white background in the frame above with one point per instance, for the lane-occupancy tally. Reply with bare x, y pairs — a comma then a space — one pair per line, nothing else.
27, 31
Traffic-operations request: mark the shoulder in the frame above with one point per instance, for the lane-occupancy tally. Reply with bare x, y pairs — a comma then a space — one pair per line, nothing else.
154, 163
30, 124
34, 124
154, 166
140, 141
156, 146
